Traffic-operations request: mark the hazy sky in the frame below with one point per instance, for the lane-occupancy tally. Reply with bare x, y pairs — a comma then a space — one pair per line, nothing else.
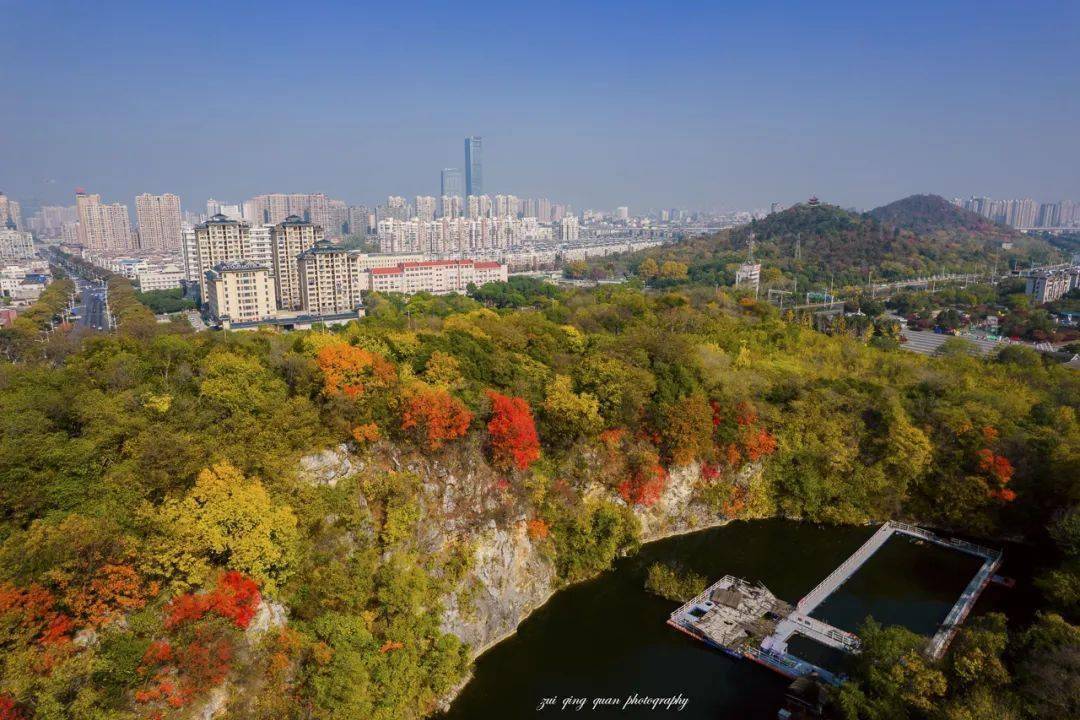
651, 104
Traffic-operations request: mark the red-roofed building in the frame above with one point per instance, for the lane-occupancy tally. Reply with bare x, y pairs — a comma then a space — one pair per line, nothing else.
436, 276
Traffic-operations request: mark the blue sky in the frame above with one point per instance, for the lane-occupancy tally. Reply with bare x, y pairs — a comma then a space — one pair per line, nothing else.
651, 104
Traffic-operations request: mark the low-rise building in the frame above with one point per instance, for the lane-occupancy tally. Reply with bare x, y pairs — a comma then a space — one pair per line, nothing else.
240, 291
165, 278
1045, 287
437, 277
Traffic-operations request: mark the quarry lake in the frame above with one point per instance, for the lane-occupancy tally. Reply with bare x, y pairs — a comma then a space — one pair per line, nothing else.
607, 638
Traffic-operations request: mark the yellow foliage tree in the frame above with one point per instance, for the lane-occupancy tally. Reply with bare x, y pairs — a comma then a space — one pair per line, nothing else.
226, 520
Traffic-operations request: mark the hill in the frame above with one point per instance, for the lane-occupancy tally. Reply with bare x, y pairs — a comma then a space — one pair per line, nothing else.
815, 244
932, 213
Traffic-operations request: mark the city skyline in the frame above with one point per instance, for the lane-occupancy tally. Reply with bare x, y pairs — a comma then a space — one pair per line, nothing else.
701, 109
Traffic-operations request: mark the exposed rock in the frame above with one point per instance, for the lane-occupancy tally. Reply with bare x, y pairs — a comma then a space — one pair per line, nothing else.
268, 616
327, 467
215, 704
509, 579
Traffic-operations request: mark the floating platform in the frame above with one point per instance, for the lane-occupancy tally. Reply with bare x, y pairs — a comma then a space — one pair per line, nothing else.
747, 620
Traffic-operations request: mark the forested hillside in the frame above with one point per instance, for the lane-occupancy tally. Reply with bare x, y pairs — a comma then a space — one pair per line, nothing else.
932, 213
160, 548
813, 245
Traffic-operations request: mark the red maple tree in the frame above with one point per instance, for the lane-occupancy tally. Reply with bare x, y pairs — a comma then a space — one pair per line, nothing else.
235, 597
514, 441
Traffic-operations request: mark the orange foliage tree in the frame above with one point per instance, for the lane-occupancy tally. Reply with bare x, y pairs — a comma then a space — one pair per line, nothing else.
686, 429
537, 529
435, 416
351, 371
514, 441
999, 471
113, 591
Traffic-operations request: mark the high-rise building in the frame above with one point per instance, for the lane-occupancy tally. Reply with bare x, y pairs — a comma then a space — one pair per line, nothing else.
474, 172
291, 237
622, 213
103, 226
425, 207
359, 220
395, 208
450, 206
337, 218
221, 240
10, 213
50, 220
274, 208
330, 280
159, 222
506, 206
566, 229
450, 182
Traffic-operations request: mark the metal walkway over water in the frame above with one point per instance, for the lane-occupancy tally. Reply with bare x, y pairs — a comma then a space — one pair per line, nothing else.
748, 621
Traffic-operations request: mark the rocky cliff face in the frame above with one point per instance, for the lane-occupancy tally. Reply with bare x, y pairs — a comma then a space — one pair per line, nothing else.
510, 576
509, 579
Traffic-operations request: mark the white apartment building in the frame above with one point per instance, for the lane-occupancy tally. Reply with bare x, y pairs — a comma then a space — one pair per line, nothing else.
289, 238
10, 213
159, 221
15, 245
1046, 287
239, 291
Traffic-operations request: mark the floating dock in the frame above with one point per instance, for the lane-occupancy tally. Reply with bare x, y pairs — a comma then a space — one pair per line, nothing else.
746, 620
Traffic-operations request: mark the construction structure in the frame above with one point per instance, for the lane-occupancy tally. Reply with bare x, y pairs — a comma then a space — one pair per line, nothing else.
746, 620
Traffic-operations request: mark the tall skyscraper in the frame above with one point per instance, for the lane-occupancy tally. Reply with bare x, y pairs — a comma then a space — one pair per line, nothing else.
450, 183
474, 173
159, 222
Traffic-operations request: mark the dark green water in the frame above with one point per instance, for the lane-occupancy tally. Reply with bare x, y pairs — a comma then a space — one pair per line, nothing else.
607, 637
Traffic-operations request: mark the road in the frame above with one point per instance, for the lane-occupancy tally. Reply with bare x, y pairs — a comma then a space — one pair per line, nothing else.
94, 311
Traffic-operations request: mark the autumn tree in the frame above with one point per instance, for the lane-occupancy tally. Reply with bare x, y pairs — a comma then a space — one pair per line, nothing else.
228, 520
350, 371
514, 441
568, 415
686, 429
434, 416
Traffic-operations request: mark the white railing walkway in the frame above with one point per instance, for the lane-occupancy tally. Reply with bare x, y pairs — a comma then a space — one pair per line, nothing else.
845, 570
